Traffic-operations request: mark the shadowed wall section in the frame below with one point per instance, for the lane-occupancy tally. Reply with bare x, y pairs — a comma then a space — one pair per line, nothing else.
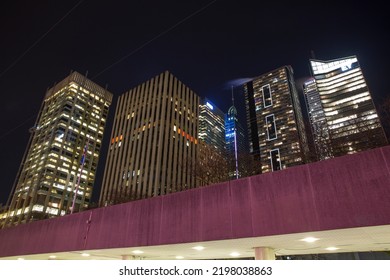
345, 192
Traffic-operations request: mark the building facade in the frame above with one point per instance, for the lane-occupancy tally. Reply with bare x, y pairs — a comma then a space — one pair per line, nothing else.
275, 124
317, 120
58, 170
350, 121
154, 142
212, 125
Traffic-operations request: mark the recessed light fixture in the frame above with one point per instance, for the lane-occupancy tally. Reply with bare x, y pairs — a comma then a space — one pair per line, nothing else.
85, 254
234, 254
52, 257
332, 248
20, 259
137, 252
310, 239
198, 248
179, 257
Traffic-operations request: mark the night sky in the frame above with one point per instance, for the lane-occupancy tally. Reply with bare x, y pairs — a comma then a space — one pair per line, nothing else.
209, 45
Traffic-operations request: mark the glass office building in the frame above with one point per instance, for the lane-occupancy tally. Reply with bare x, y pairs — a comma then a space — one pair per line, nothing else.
211, 125
235, 142
350, 120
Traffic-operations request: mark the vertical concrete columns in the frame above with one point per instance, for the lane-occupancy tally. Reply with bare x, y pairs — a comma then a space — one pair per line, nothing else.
127, 257
264, 253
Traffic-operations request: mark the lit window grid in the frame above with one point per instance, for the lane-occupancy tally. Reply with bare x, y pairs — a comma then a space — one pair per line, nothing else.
164, 103
211, 126
347, 102
43, 141
286, 124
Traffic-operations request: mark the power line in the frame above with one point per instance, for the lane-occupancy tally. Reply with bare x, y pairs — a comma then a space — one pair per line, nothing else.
16, 127
39, 39
155, 38
108, 67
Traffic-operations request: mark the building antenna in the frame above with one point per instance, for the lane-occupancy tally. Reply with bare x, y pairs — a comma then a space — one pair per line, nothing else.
232, 96
235, 136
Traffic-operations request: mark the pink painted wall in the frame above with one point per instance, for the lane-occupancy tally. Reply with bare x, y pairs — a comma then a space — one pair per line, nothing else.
346, 192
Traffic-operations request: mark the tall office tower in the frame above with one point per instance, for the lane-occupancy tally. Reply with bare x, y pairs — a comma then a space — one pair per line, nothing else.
317, 120
235, 142
211, 125
62, 156
153, 142
275, 123
351, 119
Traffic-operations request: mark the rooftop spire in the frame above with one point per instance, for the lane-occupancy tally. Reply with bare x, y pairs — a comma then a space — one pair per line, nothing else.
232, 96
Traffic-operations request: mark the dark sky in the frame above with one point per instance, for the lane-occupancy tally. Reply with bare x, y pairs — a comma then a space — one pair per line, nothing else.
206, 44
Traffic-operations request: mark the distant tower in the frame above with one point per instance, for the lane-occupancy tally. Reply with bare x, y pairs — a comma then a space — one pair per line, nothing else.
349, 119
69, 131
153, 147
235, 139
211, 125
275, 123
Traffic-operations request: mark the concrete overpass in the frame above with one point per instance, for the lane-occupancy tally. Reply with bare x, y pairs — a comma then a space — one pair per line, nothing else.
344, 203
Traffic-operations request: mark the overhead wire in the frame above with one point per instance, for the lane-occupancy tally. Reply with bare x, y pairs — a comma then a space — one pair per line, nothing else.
108, 67
25, 52
39, 39
154, 38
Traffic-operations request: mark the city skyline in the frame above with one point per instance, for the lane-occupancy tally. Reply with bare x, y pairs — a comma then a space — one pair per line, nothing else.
235, 49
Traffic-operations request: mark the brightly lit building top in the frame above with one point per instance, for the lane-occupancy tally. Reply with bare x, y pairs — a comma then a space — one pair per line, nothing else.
211, 125
352, 123
321, 67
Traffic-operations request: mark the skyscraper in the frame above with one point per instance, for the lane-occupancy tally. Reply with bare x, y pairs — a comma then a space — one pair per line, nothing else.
211, 125
235, 142
154, 141
350, 121
63, 153
275, 123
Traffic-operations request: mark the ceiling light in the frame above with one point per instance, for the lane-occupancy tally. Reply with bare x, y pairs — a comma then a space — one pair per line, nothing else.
234, 254
85, 254
179, 257
20, 259
331, 248
310, 239
52, 257
198, 248
137, 252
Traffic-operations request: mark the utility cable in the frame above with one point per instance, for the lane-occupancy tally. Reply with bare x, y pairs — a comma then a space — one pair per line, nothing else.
154, 38
39, 39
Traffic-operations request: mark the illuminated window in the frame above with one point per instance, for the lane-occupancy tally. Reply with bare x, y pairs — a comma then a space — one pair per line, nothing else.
271, 127
275, 160
267, 98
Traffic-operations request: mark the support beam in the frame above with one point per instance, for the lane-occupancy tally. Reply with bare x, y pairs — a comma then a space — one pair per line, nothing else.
264, 253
